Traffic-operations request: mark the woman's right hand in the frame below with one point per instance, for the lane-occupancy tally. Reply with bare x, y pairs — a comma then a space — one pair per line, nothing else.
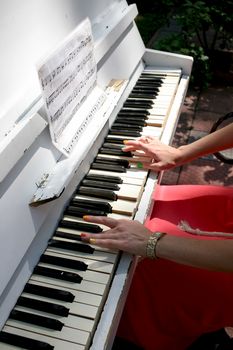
161, 156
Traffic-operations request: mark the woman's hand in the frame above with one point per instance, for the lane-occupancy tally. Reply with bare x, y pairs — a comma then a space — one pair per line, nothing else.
127, 235
162, 157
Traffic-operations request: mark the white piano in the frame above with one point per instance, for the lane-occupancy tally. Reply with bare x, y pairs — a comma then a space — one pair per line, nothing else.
55, 291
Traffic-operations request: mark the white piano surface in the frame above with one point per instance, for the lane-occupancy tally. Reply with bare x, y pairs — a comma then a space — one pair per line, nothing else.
29, 31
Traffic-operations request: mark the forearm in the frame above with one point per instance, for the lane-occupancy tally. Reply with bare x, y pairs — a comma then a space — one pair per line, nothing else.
214, 255
217, 141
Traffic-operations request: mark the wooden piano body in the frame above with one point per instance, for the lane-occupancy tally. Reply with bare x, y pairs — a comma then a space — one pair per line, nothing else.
30, 163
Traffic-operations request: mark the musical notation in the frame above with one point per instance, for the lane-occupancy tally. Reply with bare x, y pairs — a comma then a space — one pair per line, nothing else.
67, 78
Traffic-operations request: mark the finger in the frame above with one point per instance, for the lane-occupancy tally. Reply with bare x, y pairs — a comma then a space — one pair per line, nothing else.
104, 220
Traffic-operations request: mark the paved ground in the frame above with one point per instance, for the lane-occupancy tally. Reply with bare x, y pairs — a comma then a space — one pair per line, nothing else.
199, 112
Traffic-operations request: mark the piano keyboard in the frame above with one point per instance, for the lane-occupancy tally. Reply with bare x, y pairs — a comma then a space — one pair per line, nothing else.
61, 303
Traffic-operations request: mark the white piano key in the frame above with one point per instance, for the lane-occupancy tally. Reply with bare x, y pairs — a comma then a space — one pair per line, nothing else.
57, 343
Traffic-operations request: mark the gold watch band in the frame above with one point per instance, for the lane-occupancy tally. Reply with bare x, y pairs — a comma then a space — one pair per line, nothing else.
151, 244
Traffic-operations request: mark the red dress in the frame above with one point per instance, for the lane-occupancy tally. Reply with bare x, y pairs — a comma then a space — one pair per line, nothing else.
170, 305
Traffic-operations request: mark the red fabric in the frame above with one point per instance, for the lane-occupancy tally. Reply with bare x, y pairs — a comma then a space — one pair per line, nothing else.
170, 305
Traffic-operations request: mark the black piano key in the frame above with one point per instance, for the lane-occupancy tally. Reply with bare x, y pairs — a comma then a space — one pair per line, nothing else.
143, 95
38, 320
144, 90
138, 103
48, 292
107, 178
55, 260
112, 146
24, 342
121, 126
77, 247
101, 205
126, 132
149, 82
132, 121
80, 226
100, 184
135, 113
41, 305
79, 212
67, 235
96, 192
57, 274
108, 167
106, 160
115, 152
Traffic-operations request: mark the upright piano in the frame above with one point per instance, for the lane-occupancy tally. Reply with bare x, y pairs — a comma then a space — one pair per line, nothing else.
55, 291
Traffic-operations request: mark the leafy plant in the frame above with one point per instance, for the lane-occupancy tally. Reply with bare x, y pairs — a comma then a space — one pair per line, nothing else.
204, 26
201, 74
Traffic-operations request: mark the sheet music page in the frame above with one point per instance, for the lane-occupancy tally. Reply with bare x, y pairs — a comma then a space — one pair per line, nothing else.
67, 78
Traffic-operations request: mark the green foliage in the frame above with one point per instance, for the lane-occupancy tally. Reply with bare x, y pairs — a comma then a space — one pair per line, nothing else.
204, 26
201, 74
210, 23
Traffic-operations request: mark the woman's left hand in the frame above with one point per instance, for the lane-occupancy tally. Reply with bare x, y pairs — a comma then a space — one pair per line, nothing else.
127, 235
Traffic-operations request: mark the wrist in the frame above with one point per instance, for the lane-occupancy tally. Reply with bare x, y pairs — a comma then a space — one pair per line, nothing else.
152, 244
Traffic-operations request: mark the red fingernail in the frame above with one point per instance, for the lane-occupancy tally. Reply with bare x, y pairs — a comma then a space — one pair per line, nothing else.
83, 235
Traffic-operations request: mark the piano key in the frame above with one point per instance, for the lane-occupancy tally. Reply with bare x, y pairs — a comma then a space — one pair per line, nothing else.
123, 188
80, 212
37, 320
67, 334
96, 192
81, 226
135, 159
33, 302
119, 206
126, 191
113, 168
85, 286
79, 296
76, 235
121, 126
108, 178
126, 132
43, 291
54, 260
131, 176
19, 342
60, 274
35, 338
38, 304
82, 319
122, 162
98, 261
100, 184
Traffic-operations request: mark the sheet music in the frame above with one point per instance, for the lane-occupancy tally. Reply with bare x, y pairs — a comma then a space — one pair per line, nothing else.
67, 78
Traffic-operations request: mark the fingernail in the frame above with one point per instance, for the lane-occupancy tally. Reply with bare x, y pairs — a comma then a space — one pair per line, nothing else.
85, 217
125, 142
139, 165
83, 235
